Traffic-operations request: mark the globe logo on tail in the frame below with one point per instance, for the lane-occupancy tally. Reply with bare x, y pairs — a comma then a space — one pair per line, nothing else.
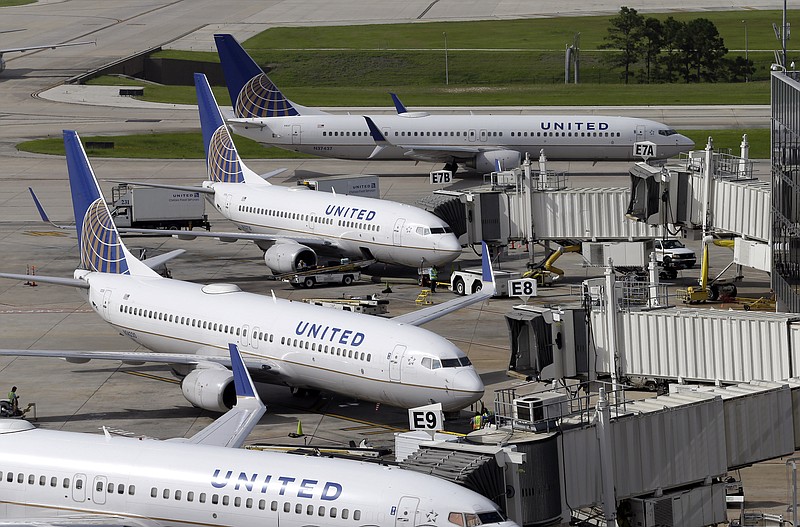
261, 98
223, 160
101, 248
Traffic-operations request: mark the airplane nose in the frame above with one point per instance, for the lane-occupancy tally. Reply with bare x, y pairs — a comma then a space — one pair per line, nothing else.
468, 383
448, 249
685, 142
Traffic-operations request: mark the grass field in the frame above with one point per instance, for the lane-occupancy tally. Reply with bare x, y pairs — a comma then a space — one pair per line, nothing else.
189, 145
480, 53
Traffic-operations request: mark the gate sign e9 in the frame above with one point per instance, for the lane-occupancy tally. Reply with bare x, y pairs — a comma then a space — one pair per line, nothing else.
441, 177
523, 288
429, 418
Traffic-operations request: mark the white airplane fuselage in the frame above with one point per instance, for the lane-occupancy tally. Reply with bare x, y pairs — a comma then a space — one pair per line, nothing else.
127, 481
306, 346
361, 227
562, 137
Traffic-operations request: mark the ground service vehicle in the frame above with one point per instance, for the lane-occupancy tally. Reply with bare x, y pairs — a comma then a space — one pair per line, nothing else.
158, 208
468, 281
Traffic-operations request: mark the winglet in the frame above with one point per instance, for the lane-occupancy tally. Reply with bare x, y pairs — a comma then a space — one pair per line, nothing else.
380, 140
241, 377
233, 427
397, 104
486, 267
43, 213
375, 132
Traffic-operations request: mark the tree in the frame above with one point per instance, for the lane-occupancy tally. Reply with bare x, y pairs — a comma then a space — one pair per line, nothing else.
652, 40
701, 50
739, 69
624, 35
671, 30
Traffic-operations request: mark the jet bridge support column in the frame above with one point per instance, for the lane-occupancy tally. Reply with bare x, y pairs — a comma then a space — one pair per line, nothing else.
603, 417
611, 322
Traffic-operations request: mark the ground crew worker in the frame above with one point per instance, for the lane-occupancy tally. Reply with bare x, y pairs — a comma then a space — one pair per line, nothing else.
13, 398
476, 421
434, 275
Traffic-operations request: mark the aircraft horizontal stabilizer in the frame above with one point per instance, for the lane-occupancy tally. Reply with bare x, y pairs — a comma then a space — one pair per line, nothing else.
417, 318
55, 280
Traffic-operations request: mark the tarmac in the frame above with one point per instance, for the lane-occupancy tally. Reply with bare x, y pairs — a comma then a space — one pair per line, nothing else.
146, 400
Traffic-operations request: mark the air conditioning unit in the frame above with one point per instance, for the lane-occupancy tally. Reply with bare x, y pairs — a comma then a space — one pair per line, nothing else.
542, 407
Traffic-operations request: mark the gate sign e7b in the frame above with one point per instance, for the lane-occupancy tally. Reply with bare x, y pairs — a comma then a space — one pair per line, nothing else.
523, 288
441, 177
429, 418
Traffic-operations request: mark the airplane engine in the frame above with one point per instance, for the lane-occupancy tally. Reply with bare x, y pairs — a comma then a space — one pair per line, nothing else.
211, 389
287, 257
486, 162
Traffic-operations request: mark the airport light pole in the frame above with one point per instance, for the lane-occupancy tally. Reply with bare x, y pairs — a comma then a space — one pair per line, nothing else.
446, 66
746, 57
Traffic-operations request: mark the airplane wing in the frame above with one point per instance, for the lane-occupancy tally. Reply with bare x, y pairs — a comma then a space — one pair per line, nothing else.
81, 520
46, 46
233, 236
423, 152
417, 318
235, 425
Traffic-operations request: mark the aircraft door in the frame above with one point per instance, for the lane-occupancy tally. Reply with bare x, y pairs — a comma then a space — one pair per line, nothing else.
484, 135
406, 511
99, 490
254, 340
296, 134
79, 487
244, 339
472, 136
395, 363
106, 302
397, 234
228, 198
640, 132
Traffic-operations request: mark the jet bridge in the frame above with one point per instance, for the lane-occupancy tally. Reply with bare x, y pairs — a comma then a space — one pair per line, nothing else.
655, 462
706, 192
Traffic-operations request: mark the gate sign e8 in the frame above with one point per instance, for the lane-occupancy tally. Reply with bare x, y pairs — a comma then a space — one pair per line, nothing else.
644, 149
441, 177
523, 288
429, 418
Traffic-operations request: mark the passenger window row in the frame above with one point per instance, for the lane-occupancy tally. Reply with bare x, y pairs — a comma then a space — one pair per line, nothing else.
284, 214
194, 322
65, 483
359, 225
332, 350
568, 134
250, 503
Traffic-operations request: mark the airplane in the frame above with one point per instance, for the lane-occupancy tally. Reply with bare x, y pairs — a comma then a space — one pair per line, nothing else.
33, 48
479, 142
52, 478
299, 345
294, 224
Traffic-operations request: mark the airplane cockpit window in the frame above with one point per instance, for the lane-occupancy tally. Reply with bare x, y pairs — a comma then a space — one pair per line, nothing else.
426, 362
455, 363
469, 519
668, 132
423, 231
441, 230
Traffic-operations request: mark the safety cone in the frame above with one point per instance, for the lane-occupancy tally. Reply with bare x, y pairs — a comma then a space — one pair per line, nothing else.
299, 432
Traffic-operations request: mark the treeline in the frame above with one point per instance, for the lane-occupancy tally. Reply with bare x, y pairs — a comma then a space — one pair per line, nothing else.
647, 50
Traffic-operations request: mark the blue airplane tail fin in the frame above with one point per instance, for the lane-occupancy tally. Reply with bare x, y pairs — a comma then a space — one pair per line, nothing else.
253, 94
99, 243
222, 160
